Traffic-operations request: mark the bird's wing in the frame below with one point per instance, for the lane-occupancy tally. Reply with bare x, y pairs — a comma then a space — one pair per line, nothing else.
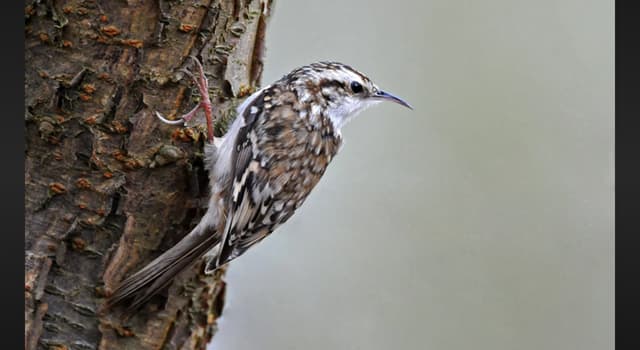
277, 159
257, 180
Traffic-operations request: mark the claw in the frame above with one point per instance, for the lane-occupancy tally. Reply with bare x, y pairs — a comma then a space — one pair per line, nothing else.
170, 122
205, 103
195, 80
203, 79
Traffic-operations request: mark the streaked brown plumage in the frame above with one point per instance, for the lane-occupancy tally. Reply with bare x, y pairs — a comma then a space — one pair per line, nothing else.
273, 155
280, 157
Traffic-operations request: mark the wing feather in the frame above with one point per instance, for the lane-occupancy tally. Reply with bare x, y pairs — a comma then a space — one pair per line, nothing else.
272, 164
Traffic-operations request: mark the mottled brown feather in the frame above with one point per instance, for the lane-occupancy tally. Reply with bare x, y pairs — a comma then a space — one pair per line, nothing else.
280, 157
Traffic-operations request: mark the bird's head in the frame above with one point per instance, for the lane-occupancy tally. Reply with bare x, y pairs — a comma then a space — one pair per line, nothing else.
337, 90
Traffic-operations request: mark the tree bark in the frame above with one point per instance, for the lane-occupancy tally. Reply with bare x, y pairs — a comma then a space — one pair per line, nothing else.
107, 186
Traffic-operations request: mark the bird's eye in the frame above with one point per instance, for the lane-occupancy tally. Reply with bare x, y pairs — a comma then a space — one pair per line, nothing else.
356, 87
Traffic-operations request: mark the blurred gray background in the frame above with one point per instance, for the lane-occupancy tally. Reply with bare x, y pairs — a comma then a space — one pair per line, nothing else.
483, 219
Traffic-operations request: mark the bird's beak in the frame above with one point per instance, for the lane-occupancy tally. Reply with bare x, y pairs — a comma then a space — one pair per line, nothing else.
382, 95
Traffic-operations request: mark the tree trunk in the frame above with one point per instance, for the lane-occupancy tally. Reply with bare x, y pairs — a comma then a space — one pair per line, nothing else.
108, 186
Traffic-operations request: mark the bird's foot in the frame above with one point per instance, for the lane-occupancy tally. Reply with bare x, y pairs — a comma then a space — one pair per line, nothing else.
205, 103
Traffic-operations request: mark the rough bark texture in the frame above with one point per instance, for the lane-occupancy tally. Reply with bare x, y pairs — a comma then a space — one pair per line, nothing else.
109, 187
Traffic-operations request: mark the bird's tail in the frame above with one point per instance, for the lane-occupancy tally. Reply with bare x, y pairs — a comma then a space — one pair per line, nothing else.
144, 284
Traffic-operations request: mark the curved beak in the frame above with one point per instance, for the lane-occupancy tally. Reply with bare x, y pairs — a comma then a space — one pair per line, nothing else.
382, 95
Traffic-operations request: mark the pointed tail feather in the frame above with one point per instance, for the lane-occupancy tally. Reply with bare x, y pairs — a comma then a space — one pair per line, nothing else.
151, 279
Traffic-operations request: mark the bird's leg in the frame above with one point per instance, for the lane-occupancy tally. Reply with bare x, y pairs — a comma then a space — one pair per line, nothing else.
205, 103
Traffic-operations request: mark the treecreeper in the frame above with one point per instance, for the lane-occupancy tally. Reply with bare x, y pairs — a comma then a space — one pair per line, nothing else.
262, 170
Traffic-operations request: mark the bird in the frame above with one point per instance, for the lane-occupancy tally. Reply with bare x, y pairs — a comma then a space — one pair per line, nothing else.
261, 171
